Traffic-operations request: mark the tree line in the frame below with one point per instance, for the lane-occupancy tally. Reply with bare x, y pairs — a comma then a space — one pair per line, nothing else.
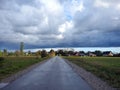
60, 52
20, 52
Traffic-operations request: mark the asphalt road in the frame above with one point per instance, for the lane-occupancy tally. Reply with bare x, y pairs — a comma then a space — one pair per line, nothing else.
55, 74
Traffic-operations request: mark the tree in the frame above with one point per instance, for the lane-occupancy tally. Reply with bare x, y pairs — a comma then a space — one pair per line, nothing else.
11, 54
44, 53
71, 52
60, 52
1, 59
98, 53
5, 53
38, 53
65, 53
52, 53
21, 48
17, 53
82, 52
1, 53
29, 53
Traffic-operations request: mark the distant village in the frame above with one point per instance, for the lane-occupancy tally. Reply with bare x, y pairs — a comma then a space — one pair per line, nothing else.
89, 53
59, 52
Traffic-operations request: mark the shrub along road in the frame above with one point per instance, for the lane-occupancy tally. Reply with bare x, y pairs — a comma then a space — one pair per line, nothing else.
55, 74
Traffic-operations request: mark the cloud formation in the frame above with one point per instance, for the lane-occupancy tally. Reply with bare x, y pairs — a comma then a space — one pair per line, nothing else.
59, 23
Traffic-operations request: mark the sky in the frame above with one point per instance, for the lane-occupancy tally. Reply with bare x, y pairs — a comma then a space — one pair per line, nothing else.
59, 23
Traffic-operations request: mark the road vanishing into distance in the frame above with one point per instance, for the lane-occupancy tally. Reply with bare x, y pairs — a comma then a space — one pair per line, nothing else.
55, 74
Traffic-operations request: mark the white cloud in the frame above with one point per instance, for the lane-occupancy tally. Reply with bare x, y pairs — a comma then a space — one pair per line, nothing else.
65, 26
107, 4
118, 6
102, 3
52, 7
116, 18
42, 18
61, 29
80, 7
43, 22
60, 36
30, 30
77, 6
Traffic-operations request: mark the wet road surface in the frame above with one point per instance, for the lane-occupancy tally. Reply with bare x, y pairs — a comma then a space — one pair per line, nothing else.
55, 74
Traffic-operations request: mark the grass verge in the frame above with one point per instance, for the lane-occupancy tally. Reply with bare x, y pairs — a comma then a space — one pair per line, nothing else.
107, 68
11, 65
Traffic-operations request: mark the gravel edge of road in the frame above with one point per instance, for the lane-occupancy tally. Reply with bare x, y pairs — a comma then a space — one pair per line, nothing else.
21, 73
91, 79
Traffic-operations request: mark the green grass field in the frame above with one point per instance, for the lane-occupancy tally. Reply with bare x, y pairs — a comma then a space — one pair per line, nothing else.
12, 65
107, 68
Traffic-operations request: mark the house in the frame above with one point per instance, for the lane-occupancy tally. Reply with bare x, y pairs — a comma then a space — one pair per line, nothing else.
107, 53
91, 54
76, 53
82, 54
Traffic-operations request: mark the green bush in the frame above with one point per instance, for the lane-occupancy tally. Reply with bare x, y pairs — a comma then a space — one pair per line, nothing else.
1, 58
